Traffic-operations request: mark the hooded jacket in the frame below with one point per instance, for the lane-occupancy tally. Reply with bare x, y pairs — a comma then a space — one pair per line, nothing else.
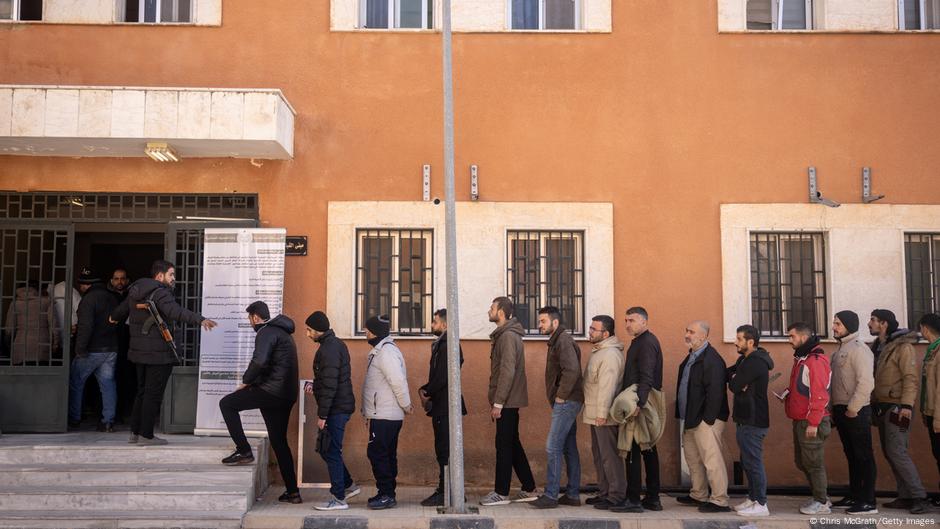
747, 380
95, 333
602, 379
437, 385
385, 391
273, 366
809, 384
508, 386
31, 321
563, 368
707, 395
852, 373
896, 375
150, 348
332, 377
646, 428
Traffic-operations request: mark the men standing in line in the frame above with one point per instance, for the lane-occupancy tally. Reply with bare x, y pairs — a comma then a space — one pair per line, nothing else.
747, 380
564, 389
601, 383
148, 350
930, 385
269, 384
508, 391
852, 383
643, 367
96, 345
806, 403
385, 401
702, 406
435, 402
332, 388
895, 391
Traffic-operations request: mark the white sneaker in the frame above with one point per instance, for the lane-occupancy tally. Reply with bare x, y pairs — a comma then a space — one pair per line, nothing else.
353, 490
816, 508
525, 497
755, 510
746, 504
494, 498
332, 505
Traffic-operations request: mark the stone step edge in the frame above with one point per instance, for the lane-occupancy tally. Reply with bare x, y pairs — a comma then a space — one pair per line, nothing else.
212, 490
123, 515
125, 467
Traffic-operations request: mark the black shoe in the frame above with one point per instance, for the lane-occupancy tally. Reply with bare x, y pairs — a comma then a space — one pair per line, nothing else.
652, 504
382, 502
689, 500
604, 504
844, 502
862, 508
434, 500
627, 506
289, 497
106, 427
568, 501
238, 458
900, 503
544, 502
936, 501
709, 507
74, 424
594, 500
920, 506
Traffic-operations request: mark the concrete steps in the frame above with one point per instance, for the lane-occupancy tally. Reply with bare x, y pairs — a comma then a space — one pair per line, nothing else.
98, 481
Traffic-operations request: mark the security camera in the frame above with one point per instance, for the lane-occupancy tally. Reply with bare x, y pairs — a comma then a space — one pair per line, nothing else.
437, 201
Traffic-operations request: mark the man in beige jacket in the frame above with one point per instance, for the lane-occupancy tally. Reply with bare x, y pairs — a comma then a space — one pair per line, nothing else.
852, 383
601, 382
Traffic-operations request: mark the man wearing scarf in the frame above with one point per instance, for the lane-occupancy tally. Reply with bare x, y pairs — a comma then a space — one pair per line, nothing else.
930, 385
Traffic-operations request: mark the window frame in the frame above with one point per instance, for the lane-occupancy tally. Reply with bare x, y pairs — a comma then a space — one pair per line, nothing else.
158, 14
394, 18
577, 327
820, 267
932, 290
395, 289
16, 12
922, 11
776, 14
578, 17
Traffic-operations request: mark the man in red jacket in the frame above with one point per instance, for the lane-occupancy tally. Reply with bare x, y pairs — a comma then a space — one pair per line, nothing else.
806, 403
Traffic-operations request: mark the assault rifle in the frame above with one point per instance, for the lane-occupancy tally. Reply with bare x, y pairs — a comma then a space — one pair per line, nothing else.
157, 319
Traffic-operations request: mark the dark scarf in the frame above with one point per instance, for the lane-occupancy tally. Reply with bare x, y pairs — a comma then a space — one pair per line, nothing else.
805, 349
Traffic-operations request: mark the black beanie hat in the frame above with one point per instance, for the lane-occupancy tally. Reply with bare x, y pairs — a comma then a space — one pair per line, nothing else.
318, 321
87, 277
849, 319
378, 325
888, 317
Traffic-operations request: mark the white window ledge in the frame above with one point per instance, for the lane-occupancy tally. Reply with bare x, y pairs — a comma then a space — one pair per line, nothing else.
106, 13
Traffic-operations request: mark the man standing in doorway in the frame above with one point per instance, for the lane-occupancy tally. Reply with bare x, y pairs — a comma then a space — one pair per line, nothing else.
124, 371
702, 407
96, 344
332, 387
564, 389
896, 378
852, 383
643, 367
148, 350
806, 403
435, 402
508, 391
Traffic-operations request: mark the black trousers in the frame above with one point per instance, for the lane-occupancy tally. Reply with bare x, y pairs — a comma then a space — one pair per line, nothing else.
276, 414
855, 434
441, 446
649, 459
151, 383
934, 441
510, 455
383, 454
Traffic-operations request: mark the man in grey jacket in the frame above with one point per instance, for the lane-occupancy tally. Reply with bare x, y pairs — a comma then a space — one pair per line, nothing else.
508, 391
385, 401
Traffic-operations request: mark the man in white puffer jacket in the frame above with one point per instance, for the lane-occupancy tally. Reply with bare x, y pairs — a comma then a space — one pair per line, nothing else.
385, 401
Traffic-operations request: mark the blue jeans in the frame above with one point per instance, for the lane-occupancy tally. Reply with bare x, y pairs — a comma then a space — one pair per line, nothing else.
102, 365
563, 441
751, 443
340, 479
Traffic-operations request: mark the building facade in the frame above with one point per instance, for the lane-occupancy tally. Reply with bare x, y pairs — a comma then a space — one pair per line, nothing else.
682, 156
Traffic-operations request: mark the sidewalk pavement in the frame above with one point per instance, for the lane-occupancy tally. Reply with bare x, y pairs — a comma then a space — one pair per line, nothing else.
267, 513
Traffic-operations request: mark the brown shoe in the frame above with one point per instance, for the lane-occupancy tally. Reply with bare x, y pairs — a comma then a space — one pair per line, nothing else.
568, 501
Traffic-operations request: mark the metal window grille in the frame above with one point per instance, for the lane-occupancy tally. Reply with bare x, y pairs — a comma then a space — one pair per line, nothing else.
125, 207
395, 276
922, 264
188, 289
788, 281
546, 267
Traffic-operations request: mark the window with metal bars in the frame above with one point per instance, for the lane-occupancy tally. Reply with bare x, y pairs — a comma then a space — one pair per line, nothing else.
788, 281
922, 265
546, 267
395, 276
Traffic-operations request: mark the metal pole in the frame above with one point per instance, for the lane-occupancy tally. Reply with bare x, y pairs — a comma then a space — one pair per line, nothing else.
457, 500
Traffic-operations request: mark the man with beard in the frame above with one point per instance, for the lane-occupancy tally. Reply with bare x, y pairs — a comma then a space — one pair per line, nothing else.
852, 383
806, 405
124, 370
747, 380
434, 400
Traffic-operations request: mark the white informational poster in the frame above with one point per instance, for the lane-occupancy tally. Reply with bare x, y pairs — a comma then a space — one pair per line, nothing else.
240, 266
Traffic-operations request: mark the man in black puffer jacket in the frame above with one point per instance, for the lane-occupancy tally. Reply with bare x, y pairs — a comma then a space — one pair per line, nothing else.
269, 384
152, 356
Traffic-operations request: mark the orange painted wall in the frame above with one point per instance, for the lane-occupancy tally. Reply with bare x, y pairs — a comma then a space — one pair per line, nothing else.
664, 117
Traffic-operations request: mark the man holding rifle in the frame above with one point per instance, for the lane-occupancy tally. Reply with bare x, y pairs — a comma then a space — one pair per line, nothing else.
151, 311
